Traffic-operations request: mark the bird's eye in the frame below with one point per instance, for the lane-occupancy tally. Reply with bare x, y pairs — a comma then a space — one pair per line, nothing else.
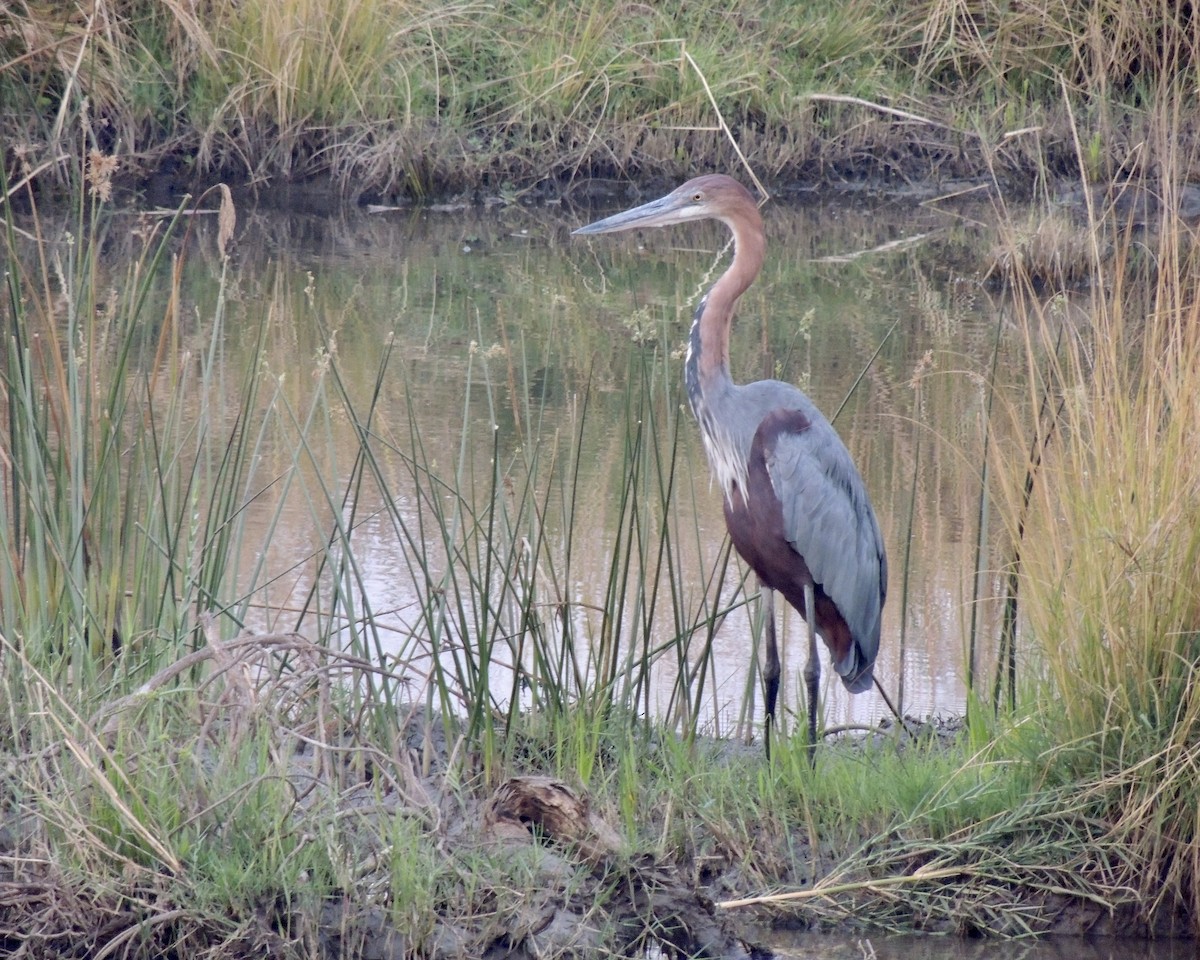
697, 197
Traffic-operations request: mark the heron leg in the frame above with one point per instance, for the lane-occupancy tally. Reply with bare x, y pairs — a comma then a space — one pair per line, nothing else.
771, 666
812, 670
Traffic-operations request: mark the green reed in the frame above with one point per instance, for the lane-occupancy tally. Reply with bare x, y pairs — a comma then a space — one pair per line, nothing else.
126, 478
120, 503
490, 547
138, 452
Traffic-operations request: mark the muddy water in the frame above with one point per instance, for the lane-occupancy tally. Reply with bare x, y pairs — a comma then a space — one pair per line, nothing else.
915, 947
502, 328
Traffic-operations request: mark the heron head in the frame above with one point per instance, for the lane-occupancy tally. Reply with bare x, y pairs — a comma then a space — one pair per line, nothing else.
711, 197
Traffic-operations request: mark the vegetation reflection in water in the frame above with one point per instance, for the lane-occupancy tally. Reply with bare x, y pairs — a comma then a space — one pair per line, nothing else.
506, 341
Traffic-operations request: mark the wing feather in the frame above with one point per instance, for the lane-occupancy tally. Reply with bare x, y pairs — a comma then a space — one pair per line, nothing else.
829, 521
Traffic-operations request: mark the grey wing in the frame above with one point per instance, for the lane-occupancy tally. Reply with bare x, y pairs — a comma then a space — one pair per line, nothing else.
829, 521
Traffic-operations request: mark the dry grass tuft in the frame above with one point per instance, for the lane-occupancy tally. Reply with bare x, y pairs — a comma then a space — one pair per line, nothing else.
1109, 544
1051, 251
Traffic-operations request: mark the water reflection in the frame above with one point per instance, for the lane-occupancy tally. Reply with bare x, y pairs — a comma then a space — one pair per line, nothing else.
494, 318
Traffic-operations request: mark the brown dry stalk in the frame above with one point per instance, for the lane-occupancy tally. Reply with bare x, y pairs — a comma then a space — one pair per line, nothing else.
823, 889
226, 220
724, 126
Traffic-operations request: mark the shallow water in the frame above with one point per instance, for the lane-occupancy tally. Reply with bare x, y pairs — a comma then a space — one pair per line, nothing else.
916, 947
503, 328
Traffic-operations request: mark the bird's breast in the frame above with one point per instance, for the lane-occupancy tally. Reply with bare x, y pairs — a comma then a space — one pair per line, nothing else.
726, 459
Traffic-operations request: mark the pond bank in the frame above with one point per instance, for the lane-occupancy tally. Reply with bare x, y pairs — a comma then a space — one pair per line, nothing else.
532, 866
393, 100
893, 162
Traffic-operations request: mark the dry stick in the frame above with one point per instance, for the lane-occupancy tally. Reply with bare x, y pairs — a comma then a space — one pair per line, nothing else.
724, 126
891, 706
137, 930
888, 247
30, 175
891, 111
67, 99
847, 727
940, 873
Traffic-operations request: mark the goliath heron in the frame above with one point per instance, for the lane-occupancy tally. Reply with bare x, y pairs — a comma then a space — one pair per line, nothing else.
795, 506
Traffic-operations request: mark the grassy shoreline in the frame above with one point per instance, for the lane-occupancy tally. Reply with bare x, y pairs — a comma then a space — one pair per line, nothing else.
402, 99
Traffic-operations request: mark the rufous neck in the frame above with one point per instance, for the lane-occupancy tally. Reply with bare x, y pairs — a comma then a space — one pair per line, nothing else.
716, 315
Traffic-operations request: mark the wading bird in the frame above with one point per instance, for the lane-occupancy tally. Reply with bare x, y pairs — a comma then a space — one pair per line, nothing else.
795, 505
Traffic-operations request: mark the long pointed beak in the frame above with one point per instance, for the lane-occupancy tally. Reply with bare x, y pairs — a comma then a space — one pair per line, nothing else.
657, 213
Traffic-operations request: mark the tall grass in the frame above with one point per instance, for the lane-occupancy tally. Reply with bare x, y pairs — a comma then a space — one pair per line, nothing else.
119, 504
503, 630
124, 468
408, 96
1109, 534
1117, 596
